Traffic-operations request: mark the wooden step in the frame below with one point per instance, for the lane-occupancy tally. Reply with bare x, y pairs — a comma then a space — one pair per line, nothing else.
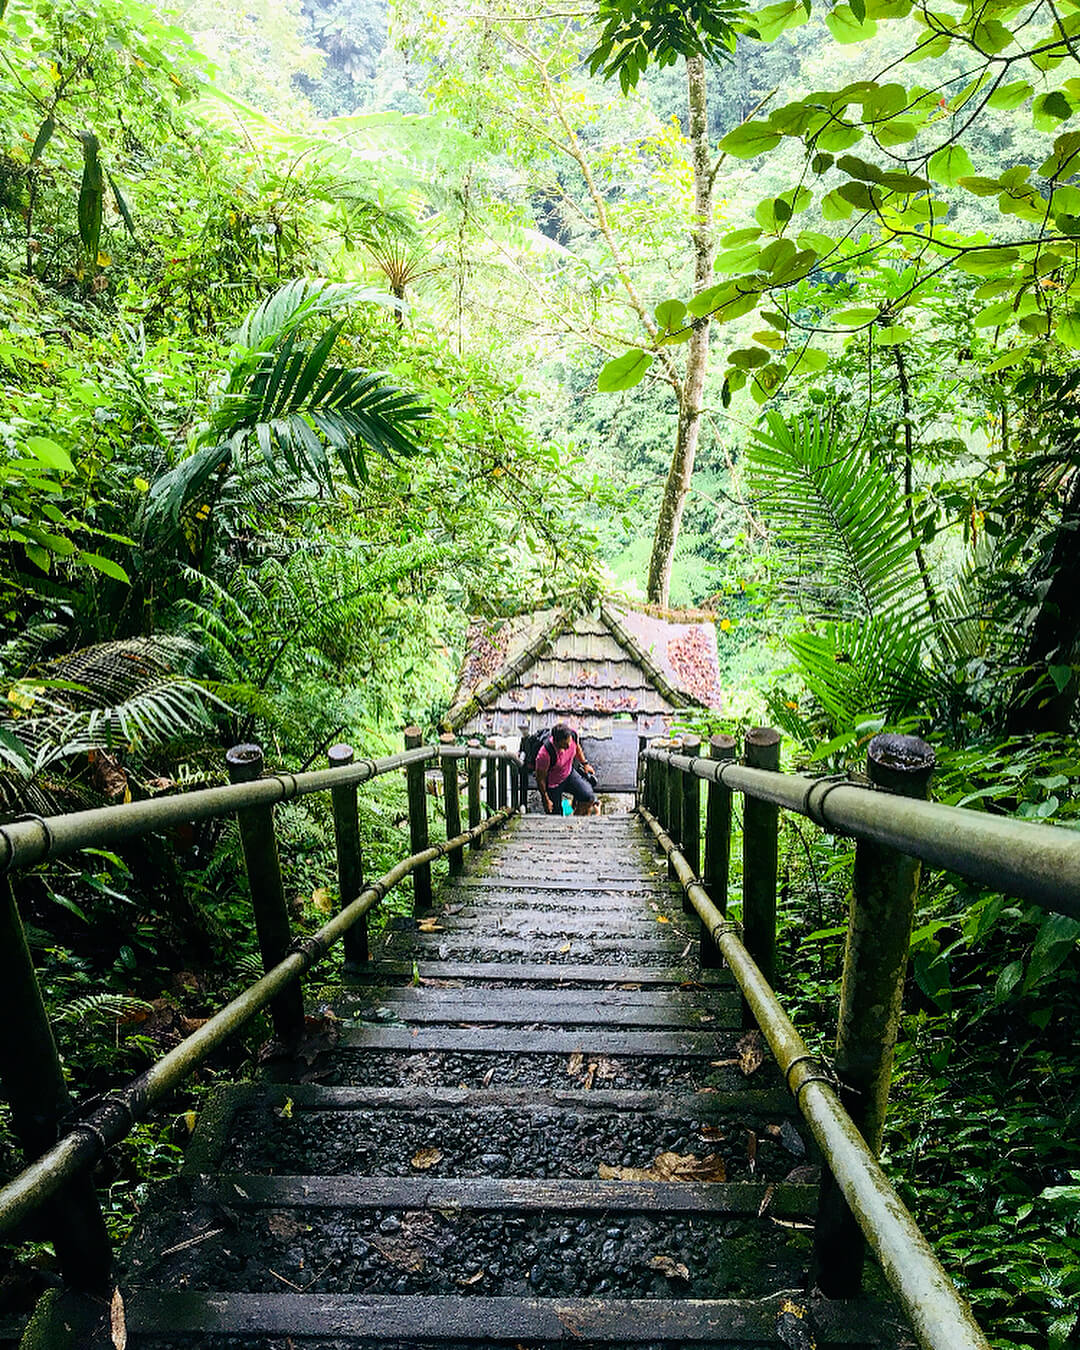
507, 1040
541, 973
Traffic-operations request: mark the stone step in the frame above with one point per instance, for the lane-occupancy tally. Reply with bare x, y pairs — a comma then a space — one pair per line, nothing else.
504, 1040
563, 975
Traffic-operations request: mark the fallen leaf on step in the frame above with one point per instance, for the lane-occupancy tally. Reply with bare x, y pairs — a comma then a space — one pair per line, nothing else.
751, 1150
575, 1064
791, 1223
670, 1167
660, 918
793, 1327
607, 1068
117, 1324
473, 1279
320, 898
807, 1175
723, 1063
488, 1077
751, 1050
424, 1158
587, 1081
792, 1140
398, 1253
711, 1133
284, 1226
766, 1199
565, 947
429, 926
628, 986
674, 1270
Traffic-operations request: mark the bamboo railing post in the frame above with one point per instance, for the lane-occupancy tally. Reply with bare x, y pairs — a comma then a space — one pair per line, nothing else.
717, 846
452, 802
691, 814
884, 890
674, 808
504, 783
37, 1094
350, 858
475, 814
245, 763
761, 828
418, 822
641, 777
491, 782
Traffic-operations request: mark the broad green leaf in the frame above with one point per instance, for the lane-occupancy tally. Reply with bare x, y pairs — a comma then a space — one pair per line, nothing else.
839, 136
857, 316
91, 196
981, 187
898, 132
776, 320
748, 358
929, 47
43, 137
810, 361
670, 314
739, 237
1009, 358
950, 165
48, 452
773, 20
811, 239
984, 261
1067, 330
893, 335
888, 9
38, 556
1061, 675
750, 139
858, 194
104, 565
624, 372
904, 182
1009, 96
835, 207
846, 28
991, 35
1050, 109
862, 169
777, 255
993, 316
768, 337
1054, 942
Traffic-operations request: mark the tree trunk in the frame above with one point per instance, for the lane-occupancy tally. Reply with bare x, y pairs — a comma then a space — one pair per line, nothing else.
692, 394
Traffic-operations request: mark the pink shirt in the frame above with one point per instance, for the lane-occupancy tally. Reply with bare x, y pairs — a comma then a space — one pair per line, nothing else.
564, 762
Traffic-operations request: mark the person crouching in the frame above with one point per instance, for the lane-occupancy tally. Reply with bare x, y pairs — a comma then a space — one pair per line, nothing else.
561, 767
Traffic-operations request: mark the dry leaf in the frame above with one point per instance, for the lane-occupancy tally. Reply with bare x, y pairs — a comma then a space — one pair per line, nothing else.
424, 1158
320, 898
711, 1133
751, 1050
661, 918
587, 1081
284, 1226
607, 1068
670, 1167
117, 1324
751, 1150
793, 1327
473, 1279
573, 1068
488, 1077
674, 1270
398, 1253
766, 1199
565, 947
429, 926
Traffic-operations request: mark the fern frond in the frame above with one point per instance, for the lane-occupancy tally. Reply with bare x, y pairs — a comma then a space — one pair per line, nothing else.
102, 1006
842, 511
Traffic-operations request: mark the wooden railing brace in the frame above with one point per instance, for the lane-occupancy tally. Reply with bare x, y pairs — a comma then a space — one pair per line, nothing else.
885, 888
474, 795
350, 858
761, 829
690, 802
717, 847
452, 803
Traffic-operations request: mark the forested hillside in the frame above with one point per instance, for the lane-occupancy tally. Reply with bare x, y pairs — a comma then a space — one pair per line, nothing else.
329, 324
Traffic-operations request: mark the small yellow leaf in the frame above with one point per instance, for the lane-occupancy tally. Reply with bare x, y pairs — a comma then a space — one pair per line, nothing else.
424, 1158
320, 898
189, 1120
661, 918
141, 485
103, 260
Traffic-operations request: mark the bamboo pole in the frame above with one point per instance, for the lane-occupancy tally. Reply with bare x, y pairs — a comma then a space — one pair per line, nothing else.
761, 828
882, 908
452, 803
717, 846
475, 812
674, 808
418, 823
491, 781
259, 842
350, 858
690, 832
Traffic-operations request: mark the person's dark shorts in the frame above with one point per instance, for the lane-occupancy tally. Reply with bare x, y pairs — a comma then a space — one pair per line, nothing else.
579, 787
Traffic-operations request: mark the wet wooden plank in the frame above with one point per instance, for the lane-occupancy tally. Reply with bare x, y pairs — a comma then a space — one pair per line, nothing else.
567, 1194
374, 1318
502, 1040
562, 1011
549, 972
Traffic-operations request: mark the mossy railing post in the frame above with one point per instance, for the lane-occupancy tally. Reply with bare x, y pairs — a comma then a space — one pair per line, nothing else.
491, 779
690, 829
475, 814
350, 858
245, 763
37, 1094
504, 783
761, 830
884, 890
717, 846
452, 802
418, 822
674, 808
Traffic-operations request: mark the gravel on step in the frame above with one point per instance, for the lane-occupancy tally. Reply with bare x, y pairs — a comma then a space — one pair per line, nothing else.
493, 1142
476, 1069
426, 1252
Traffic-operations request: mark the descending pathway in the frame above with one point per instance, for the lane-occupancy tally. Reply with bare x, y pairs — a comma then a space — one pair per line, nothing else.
540, 1124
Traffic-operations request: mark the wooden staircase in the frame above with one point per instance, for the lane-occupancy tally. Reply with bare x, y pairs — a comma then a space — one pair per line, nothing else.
533, 1122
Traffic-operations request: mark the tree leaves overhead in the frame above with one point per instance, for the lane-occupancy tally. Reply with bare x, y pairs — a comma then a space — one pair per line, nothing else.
661, 31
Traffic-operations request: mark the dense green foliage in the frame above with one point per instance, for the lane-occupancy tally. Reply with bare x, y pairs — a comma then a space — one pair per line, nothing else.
320, 336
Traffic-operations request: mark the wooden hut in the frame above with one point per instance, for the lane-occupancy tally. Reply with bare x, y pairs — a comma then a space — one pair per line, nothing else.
615, 674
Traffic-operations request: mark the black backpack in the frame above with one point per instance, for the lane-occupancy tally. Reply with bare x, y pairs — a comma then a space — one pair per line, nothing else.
532, 744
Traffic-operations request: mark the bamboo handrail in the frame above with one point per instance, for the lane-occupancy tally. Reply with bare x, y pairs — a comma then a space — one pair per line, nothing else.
1031, 861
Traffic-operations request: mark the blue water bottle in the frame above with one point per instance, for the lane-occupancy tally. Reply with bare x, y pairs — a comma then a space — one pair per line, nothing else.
567, 806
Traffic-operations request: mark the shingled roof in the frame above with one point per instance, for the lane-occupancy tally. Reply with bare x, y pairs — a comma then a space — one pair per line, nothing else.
526, 671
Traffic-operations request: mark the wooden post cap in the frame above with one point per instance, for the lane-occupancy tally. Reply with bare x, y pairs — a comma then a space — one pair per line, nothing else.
339, 755
245, 762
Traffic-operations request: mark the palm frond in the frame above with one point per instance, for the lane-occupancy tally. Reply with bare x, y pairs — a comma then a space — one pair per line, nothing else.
842, 513
298, 301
